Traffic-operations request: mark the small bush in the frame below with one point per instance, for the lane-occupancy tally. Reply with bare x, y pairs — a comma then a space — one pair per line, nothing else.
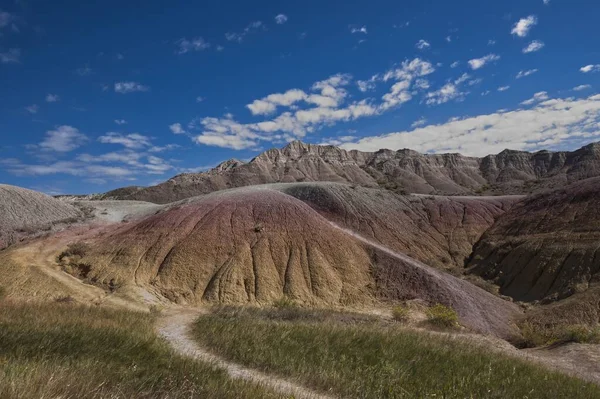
400, 313
285, 303
537, 335
442, 316
76, 249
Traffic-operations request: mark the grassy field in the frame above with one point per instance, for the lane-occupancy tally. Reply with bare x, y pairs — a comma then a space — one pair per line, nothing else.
62, 350
357, 356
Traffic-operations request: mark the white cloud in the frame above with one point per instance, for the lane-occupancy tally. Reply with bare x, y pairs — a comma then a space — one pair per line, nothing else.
251, 28
526, 73
462, 79
337, 140
534, 46
448, 39
132, 141
324, 105
503, 88
590, 68
455, 64
196, 44
582, 87
481, 62
281, 19
362, 29
418, 123
550, 123
524, 25
546, 2
199, 99
491, 42
422, 44
366, 85
485, 93
32, 109
176, 128
447, 93
120, 121
6, 19
537, 97
52, 98
130, 87
12, 56
84, 71
63, 139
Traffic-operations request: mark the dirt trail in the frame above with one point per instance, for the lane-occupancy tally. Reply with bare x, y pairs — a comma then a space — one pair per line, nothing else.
175, 328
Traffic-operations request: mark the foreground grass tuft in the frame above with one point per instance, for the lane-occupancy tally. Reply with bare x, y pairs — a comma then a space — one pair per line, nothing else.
442, 316
535, 335
370, 359
63, 350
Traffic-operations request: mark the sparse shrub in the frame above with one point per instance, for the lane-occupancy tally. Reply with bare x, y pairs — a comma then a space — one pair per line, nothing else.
76, 249
442, 316
65, 299
400, 313
285, 303
258, 228
537, 335
2, 292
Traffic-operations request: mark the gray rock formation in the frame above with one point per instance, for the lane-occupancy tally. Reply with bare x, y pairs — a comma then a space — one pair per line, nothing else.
509, 172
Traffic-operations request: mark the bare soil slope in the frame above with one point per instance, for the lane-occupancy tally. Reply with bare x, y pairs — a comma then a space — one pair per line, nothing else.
256, 245
25, 212
438, 231
547, 246
509, 172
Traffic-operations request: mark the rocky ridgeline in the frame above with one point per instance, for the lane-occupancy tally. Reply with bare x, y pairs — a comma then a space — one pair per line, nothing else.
509, 172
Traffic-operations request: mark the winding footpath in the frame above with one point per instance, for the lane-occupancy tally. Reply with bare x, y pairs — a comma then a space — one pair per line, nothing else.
175, 327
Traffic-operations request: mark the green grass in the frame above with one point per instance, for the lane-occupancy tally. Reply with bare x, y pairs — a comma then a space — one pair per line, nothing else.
63, 350
442, 316
362, 358
536, 335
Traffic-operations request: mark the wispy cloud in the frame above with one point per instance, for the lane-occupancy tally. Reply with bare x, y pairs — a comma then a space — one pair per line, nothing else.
32, 109
84, 71
120, 121
281, 19
422, 45
131, 141
590, 68
52, 98
534, 46
503, 88
63, 139
478, 63
526, 73
251, 28
176, 128
582, 87
196, 44
12, 56
361, 29
537, 97
130, 87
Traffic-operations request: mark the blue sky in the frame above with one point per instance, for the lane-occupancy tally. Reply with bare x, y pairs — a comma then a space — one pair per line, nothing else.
103, 95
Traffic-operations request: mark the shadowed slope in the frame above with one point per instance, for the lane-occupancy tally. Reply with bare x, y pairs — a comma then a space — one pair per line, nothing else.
439, 231
257, 245
24, 212
546, 247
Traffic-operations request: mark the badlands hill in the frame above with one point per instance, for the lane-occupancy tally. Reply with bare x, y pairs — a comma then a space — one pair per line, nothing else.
546, 247
24, 212
258, 244
509, 172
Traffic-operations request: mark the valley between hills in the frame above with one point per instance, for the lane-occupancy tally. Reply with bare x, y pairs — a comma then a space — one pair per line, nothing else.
241, 273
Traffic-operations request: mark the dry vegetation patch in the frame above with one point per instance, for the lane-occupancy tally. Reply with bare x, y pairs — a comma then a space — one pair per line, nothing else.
62, 350
353, 356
